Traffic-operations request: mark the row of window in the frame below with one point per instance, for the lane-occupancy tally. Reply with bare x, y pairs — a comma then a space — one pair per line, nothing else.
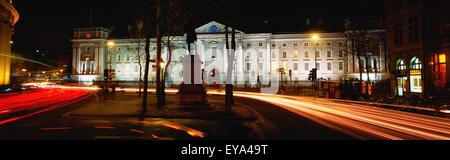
306, 54
124, 58
415, 64
306, 44
306, 66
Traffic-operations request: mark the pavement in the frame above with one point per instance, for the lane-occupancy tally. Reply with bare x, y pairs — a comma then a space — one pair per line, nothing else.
128, 105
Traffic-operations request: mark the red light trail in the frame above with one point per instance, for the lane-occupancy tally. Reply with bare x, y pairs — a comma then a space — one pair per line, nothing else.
38, 101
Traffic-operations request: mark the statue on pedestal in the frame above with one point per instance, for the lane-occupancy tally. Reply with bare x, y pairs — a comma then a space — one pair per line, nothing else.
192, 92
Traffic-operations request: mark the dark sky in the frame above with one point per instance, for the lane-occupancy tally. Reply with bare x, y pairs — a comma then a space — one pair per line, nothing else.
48, 24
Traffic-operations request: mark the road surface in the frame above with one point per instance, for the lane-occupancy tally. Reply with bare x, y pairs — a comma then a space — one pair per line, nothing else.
290, 117
359, 121
26, 104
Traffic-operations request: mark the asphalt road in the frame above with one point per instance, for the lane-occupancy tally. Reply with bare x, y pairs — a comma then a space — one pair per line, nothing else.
41, 115
280, 117
359, 121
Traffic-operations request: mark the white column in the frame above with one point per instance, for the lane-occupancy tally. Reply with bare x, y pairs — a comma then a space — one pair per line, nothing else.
74, 61
79, 60
240, 66
267, 64
96, 57
101, 59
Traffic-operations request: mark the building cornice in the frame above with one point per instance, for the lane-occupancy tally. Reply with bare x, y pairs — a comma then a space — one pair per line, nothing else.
8, 12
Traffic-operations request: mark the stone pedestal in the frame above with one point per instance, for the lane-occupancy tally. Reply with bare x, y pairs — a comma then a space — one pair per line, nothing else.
193, 95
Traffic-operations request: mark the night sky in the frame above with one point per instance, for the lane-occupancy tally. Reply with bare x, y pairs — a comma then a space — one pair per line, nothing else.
48, 24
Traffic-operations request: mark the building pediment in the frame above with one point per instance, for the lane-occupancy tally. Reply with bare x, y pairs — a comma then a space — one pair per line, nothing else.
213, 27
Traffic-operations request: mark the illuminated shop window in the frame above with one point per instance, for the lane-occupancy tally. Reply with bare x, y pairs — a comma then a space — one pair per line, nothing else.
401, 66
440, 69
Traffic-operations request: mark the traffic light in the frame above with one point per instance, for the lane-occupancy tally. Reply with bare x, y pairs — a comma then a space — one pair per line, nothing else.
106, 74
312, 75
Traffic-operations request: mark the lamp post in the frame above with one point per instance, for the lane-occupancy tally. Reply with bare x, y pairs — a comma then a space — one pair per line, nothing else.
315, 37
110, 45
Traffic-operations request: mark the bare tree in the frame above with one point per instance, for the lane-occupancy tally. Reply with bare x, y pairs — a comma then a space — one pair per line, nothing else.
173, 20
357, 33
136, 32
144, 15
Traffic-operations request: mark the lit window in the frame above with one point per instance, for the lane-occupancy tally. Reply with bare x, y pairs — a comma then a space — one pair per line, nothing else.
401, 66
416, 64
442, 58
296, 54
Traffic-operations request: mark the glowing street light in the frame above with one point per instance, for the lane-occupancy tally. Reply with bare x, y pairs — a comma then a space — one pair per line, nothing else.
315, 37
24, 70
110, 43
162, 64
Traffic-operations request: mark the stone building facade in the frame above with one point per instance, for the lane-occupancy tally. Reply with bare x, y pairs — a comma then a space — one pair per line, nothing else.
418, 36
8, 17
258, 56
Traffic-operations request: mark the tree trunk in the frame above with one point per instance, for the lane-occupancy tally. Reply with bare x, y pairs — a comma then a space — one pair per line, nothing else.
166, 68
147, 65
360, 65
158, 54
368, 74
140, 66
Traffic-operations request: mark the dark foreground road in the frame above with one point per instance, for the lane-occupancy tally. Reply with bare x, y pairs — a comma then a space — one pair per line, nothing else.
279, 117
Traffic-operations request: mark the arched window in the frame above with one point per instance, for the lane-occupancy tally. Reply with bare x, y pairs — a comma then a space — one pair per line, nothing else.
401, 66
416, 64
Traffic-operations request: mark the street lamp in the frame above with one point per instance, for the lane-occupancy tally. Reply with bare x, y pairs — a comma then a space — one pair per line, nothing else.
24, 70
315, 37
110, 45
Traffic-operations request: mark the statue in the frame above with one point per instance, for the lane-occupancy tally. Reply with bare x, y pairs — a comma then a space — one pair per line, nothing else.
192, 92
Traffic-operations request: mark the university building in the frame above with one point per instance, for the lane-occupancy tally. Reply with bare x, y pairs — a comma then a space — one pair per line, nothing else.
258, 57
